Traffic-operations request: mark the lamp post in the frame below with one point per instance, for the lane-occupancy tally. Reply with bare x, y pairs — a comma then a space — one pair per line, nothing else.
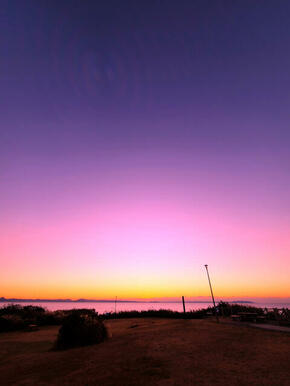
215, 311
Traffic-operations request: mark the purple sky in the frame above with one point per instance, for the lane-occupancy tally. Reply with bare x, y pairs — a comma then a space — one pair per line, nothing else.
168, 115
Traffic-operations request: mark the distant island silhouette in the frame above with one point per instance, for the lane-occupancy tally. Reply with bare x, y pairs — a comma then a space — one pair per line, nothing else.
15, 300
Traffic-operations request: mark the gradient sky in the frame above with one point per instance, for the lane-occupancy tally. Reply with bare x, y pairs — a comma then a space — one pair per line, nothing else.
141, 140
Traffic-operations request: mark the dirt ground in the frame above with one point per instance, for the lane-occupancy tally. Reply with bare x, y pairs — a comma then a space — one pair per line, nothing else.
151, 352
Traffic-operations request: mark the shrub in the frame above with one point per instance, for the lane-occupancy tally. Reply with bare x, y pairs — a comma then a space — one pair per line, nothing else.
20, 316
48, 319
15, 316
281, 316
228, 309
11, 323
80, 330
25, 312
80, 311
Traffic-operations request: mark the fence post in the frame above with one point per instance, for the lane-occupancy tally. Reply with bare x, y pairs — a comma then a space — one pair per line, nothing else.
183, 304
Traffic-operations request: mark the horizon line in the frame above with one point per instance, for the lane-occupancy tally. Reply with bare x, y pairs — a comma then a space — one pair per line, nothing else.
199, 299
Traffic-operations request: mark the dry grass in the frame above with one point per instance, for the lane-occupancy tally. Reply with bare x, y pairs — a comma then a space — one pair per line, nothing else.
153, 352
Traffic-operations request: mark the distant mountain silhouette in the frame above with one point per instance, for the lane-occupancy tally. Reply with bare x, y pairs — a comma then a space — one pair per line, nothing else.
15, 300
2, 299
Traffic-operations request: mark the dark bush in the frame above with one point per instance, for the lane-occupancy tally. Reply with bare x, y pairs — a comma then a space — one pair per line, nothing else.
15, 316
25, 312
80, 330
49, 319
281, 316
11, 323
80, 311
29, 314
228, 309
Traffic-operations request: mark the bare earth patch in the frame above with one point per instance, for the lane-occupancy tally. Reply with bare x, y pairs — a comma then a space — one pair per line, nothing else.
150, 352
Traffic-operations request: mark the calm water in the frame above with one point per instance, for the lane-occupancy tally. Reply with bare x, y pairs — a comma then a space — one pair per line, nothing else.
110, 306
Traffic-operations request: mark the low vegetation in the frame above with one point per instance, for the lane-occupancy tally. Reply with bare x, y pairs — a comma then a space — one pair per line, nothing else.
278, 316
80, 330
199, 314
17, 317
228, 309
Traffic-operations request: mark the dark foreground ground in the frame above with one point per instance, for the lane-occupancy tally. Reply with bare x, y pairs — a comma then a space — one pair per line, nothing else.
151, 352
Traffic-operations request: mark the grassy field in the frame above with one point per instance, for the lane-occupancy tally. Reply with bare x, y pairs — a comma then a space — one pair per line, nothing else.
150, 352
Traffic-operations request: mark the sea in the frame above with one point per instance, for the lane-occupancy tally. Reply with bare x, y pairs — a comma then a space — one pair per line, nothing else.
106, 307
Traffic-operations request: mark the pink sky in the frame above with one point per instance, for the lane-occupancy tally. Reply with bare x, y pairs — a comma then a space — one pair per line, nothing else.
142, 235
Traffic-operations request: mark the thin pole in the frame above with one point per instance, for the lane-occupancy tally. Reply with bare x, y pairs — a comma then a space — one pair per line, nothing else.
183, 304
116, 305
215, 311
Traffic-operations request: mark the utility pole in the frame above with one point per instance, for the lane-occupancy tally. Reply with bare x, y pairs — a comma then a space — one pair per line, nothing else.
215, 311
116, 305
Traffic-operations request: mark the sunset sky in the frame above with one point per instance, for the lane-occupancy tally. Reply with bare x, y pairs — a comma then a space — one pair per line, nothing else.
140, 140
